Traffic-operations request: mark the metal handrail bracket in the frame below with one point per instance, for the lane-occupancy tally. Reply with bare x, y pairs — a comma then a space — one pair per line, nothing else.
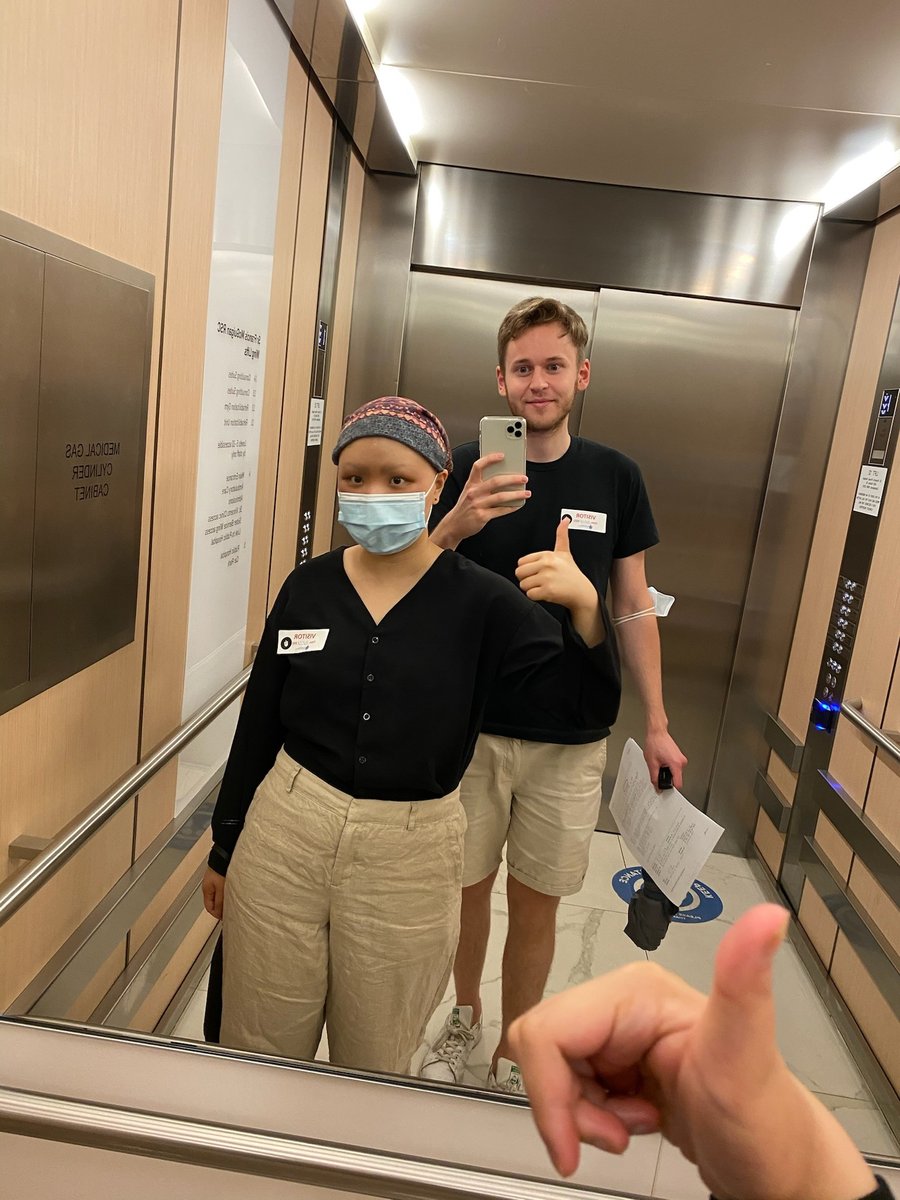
852, 710
22, 886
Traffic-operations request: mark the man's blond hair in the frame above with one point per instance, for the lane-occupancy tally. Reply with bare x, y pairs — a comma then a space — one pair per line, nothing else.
540, 310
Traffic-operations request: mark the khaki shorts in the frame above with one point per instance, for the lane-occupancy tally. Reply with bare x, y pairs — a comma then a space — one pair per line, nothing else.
542, 800
339, 911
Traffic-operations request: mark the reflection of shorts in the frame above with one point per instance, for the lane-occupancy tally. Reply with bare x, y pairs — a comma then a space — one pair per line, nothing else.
542, 800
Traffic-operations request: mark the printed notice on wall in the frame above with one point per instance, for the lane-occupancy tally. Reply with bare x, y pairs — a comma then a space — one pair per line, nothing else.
250, 141
233, 365
869, 490
314, 429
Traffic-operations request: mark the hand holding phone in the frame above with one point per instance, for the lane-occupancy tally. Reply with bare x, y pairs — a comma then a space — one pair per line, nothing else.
493, 489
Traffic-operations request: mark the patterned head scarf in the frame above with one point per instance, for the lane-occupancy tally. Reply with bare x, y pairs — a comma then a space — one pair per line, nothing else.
403, 421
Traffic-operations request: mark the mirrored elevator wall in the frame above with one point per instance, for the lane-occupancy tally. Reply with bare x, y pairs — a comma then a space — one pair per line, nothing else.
701, 309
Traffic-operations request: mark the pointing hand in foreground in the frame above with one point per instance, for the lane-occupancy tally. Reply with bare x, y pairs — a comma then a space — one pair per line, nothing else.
638, 1050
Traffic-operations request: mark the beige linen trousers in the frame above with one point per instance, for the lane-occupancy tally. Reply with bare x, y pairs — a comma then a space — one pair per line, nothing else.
342, 912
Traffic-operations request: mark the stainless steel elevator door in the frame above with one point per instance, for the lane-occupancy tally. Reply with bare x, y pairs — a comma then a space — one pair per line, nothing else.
691, 389
449, 354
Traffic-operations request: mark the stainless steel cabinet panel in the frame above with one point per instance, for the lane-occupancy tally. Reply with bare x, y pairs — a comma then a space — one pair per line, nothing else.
691, 389
21, 288
89, 468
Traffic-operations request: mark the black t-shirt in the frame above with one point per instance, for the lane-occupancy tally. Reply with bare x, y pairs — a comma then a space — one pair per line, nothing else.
605, 493
391, 711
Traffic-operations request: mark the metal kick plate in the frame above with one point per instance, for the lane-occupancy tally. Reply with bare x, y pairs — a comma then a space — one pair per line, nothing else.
22, 273
90, 454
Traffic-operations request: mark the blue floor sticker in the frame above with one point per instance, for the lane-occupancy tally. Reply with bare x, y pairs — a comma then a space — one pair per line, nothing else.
699, 905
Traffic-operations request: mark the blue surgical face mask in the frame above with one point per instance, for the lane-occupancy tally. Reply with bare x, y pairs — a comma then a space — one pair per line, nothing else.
383, 524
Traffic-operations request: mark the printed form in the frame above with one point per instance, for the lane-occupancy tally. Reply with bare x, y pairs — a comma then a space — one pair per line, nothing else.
663, 830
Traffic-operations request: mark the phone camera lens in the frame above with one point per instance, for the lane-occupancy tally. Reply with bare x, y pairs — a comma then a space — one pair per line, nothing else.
518, 433
509, 428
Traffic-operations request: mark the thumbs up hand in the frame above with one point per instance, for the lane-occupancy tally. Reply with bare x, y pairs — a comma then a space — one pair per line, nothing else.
554, 576
561, 545
639, 1050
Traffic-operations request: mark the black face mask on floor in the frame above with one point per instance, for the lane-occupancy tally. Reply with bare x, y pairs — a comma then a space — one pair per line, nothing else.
650, 911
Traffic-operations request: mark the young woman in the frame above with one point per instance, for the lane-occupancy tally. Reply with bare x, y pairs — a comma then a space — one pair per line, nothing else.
338, 821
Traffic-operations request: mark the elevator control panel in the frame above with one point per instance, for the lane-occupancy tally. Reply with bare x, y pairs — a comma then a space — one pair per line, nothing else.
884, 425
854, 618
305, 535
842, 627
858, 550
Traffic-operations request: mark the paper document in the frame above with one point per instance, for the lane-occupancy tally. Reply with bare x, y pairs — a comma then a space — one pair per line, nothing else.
665, 833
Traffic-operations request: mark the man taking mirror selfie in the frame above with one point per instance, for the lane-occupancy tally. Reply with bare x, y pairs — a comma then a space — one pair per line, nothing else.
535, 784
338, 822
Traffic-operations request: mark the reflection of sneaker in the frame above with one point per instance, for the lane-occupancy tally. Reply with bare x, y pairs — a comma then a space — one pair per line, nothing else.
445, 1060
507, 1078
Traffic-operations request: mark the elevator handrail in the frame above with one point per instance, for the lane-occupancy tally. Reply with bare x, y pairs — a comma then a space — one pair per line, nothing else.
270, 1155
16, 891
852, 711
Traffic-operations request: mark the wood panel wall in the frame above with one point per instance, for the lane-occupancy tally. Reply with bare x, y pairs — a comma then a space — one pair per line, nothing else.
184, 312
92, 164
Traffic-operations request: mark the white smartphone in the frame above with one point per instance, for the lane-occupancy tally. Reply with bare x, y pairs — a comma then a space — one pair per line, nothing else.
503, 435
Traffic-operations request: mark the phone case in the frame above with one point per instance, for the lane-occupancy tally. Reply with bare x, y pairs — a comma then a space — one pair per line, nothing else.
503, 435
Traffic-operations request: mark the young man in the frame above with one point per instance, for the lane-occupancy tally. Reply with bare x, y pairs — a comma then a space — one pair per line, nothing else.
537, 789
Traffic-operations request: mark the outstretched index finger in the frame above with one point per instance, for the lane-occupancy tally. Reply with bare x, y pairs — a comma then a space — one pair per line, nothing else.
553, 1091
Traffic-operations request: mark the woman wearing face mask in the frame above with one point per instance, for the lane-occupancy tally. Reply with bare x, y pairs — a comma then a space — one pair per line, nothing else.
360, 717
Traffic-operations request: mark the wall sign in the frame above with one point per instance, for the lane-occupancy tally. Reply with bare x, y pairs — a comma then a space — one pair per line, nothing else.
254, 88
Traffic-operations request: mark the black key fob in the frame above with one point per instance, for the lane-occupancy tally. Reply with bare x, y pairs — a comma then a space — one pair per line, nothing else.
665, 778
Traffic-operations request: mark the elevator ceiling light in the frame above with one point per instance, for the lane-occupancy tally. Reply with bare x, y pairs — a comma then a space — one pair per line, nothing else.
859, 173
402, 101
360, 9
794, 228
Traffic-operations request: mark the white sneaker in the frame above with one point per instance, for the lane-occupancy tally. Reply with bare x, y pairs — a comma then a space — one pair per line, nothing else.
507, 1078
445, 1060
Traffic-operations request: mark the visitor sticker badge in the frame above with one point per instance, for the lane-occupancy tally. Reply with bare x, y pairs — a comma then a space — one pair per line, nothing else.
299, 641
583, 518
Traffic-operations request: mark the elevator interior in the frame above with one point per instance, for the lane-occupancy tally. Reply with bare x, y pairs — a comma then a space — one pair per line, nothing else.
694, 387
720, 326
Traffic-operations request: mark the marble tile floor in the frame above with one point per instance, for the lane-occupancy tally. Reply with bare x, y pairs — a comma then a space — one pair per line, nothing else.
591, 940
